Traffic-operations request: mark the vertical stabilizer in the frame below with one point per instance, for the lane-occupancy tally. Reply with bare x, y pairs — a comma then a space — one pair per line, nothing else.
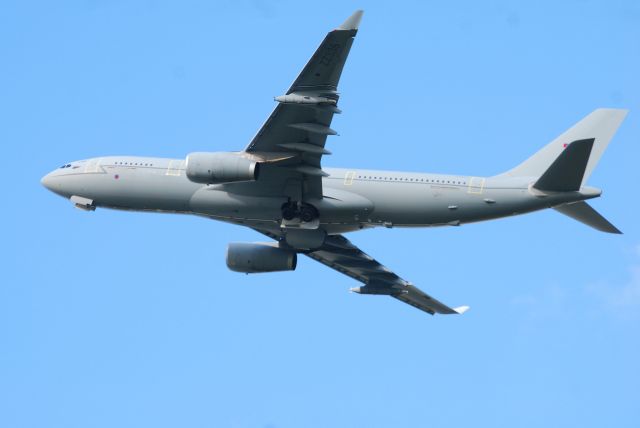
567, 172
600, 126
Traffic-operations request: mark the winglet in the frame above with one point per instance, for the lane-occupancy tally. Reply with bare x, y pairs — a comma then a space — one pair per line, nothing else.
352, 22
461, 309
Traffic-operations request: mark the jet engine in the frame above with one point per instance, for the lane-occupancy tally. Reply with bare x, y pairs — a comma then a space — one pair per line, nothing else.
260, 257
220, 167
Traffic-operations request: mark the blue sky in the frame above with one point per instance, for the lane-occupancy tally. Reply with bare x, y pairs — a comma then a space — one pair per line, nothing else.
126, 319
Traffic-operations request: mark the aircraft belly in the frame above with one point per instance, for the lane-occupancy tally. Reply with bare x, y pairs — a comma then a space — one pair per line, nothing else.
409, 204
343, 207
274, 226
145, 190
212, 200
403, 203
131, 188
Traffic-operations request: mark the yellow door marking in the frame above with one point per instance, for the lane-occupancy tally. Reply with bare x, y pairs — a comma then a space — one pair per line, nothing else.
348, 178
93, 165
476, 185
174, 168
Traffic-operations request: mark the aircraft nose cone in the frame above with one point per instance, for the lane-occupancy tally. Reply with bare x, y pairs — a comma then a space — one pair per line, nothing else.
53, 183
46, 182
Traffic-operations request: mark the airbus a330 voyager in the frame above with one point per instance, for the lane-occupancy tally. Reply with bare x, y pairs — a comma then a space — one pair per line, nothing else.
278, 187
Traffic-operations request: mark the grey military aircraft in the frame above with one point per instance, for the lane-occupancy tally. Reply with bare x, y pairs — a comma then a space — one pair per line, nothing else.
277, 186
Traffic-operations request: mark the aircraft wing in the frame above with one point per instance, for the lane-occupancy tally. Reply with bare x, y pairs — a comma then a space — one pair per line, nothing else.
340, 254
294, 135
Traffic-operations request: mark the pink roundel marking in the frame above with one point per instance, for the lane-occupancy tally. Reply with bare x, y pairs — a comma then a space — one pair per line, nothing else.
116, 176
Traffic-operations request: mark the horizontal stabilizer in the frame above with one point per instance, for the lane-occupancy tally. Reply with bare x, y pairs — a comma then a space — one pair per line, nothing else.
566, 172
584, 213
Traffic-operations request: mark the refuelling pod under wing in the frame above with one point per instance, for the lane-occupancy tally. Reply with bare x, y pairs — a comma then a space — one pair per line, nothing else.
220, 167
260, 257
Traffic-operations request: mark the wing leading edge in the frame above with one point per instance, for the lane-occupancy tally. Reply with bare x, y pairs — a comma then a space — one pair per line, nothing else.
340, 254
298, 127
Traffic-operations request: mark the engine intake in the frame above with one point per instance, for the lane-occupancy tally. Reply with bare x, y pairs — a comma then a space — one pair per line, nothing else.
220, 167
260, 257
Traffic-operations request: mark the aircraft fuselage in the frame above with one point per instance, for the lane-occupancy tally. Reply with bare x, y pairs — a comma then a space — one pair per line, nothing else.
353, 198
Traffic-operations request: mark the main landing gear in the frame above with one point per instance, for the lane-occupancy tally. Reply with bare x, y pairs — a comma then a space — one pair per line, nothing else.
305, 212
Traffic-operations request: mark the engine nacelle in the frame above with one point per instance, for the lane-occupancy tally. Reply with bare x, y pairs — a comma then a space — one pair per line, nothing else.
220, 167
260, 257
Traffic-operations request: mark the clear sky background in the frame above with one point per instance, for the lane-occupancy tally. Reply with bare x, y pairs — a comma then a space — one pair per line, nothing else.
116, 319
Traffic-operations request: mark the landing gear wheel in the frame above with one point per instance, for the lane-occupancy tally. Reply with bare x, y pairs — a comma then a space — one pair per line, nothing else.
308, 213
289, 211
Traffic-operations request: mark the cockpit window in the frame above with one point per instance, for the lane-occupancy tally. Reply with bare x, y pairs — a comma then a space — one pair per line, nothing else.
66, 166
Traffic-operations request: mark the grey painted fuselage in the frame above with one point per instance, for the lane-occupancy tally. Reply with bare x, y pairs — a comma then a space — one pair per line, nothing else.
353, 198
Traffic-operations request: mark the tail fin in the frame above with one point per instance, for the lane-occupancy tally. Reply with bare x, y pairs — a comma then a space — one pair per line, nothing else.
599, 126
566, 172
584, 213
